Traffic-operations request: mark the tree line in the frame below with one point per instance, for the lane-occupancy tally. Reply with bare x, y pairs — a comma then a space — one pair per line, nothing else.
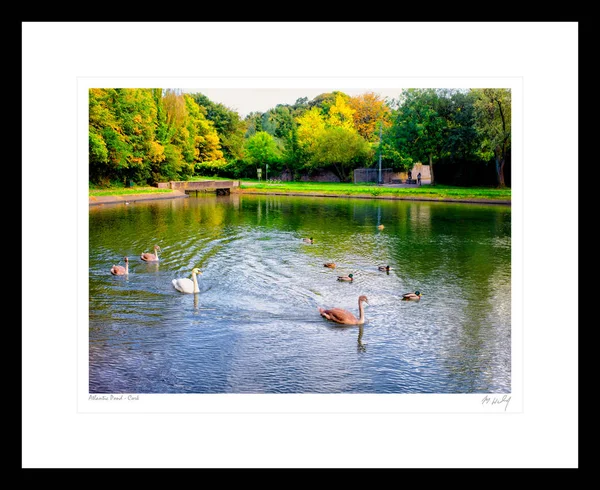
147, 136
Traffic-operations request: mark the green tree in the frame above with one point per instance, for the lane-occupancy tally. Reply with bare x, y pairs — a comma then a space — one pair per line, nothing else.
286, 135
227, 124
462, 140
261, 149
138, 120
109, 146
281, 122
341, 148
419, 130
122, 135
391, 156
172, 119
182, 154
103, 130
493, 107
170, 166
253, 124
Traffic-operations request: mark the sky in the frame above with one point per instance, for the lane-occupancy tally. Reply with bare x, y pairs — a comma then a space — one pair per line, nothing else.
247, 100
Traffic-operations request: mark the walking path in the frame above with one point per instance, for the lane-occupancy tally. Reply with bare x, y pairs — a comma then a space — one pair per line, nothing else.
129, 198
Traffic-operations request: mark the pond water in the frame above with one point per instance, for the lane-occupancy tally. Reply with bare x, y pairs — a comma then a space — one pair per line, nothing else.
254, 327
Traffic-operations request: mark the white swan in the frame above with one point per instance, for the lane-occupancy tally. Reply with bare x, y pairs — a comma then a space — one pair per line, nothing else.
185, 285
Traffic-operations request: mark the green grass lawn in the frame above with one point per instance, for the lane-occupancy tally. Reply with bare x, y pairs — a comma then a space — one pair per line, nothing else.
429, 191
335, 189
125, 191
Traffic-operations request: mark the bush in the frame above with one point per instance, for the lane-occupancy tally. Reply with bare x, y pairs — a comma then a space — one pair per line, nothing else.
215, 168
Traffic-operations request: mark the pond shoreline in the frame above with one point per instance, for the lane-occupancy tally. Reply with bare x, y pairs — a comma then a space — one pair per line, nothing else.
126, 199
393, 198
129, 198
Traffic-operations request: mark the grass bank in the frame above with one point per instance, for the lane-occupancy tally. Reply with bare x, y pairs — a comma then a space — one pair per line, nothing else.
125, 191
435, 192
430, 192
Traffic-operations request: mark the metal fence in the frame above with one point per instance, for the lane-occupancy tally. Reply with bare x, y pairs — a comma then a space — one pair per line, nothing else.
372, 175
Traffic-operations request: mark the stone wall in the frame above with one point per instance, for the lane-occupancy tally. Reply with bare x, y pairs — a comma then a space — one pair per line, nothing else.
320, 176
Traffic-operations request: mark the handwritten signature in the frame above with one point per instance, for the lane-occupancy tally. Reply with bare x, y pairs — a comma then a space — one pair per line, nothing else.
496, 400
113, 397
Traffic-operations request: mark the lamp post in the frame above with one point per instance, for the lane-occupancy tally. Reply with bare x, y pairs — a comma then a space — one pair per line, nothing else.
379, 178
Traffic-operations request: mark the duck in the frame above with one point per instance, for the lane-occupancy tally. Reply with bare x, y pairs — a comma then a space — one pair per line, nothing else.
186, 285
380, 227
119, 270
412, 296
344, 317
308, 240
148, 257
331, 265
348, 278
384, 268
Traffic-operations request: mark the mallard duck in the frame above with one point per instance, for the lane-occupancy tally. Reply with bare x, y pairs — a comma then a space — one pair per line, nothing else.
119, 270
348, 278
185, 285
384, 268
380, 227
344, 317
331, 265
308, 240
148, 257
414, 296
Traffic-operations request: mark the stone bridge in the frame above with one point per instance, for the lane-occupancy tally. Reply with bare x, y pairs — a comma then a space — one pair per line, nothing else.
221, 187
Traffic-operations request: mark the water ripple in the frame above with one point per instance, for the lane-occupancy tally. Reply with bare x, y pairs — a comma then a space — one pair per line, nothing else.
254, 327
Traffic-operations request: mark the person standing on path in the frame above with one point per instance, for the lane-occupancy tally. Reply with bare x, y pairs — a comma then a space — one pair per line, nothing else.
419, 178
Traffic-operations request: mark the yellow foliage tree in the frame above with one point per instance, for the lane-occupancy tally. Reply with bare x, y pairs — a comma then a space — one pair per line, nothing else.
369, 109
206, 142
311, 126
174, 105
341, 114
